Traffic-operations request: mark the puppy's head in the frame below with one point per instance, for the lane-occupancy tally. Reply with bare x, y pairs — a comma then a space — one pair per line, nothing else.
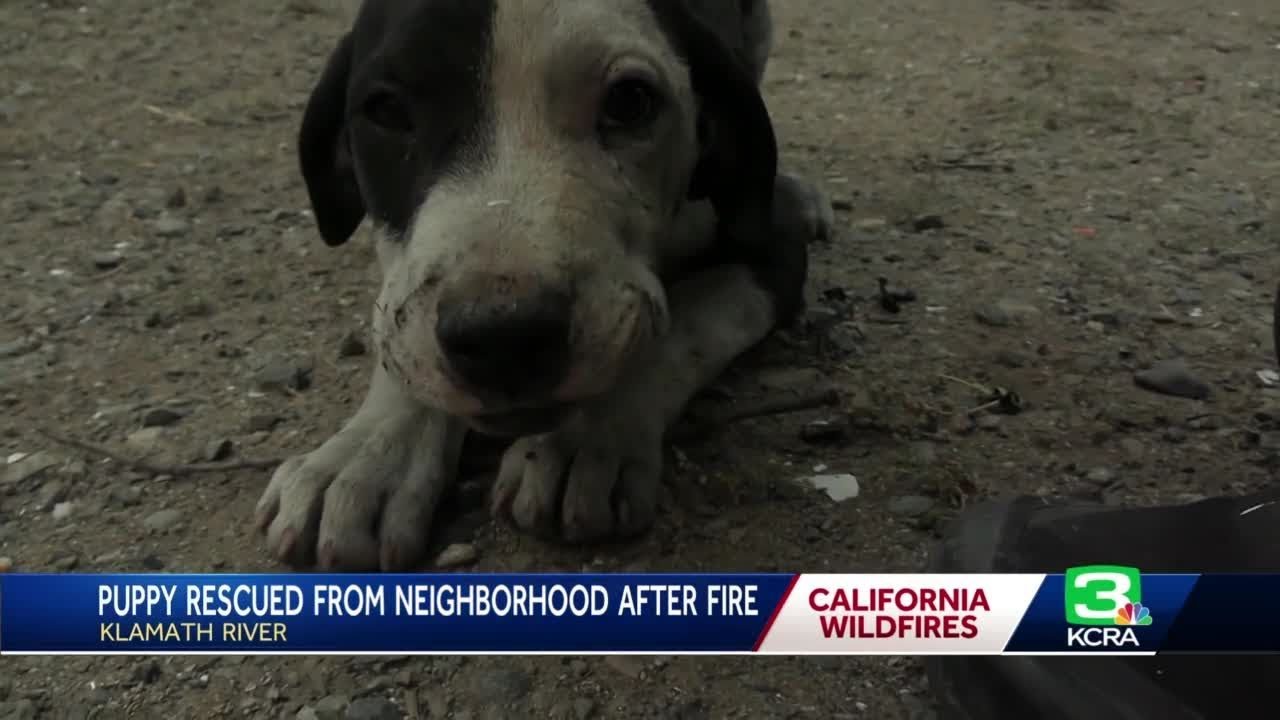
522, 160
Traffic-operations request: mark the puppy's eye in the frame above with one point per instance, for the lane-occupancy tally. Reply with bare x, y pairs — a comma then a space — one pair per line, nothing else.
388, 112
629, 104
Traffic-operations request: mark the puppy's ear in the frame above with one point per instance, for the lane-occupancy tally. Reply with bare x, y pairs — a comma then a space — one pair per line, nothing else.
739, 163
325, 155
740, 154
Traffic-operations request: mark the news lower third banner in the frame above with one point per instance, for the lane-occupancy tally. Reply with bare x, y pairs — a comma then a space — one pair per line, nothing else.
1096, 609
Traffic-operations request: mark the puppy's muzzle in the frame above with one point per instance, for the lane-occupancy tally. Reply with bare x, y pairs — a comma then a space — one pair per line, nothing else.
511, 349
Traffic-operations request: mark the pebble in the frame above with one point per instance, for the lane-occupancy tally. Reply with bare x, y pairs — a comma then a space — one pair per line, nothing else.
160, 417
823, 432
66, 563
456, 555
1004, 313
628, 665
1100, 476
501, 686
283, 374
838, 486
1174, 378
145, 440
306, 712
171, 227
162, 520
331, 707
62, 511
373, 708
27, 467
910, 505
107, 260
125, 495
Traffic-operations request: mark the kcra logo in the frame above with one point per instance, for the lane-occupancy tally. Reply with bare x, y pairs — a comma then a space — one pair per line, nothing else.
1103, 606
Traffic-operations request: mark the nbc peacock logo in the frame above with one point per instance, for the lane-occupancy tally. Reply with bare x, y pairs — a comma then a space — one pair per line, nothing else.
1133, 614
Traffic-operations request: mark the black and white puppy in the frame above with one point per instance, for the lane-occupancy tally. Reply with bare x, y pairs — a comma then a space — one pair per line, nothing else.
580, 223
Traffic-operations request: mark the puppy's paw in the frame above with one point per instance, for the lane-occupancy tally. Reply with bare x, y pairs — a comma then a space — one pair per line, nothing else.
595, 478
802, 208
364, 499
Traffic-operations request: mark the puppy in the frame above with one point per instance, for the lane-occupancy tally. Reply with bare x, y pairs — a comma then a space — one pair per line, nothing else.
580, 223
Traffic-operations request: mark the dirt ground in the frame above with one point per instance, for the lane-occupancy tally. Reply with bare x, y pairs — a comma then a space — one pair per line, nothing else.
1075, 190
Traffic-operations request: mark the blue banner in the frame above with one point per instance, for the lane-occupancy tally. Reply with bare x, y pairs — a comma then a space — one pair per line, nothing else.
396, 614
1092, 609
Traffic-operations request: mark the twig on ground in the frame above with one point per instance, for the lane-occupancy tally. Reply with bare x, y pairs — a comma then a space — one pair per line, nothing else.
173, 115
762, 408
178, 470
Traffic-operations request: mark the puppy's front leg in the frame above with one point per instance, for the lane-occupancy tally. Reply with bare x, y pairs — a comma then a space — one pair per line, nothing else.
365, 498
599, 474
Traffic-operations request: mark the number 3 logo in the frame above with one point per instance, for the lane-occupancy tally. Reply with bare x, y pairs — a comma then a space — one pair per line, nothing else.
1095, 594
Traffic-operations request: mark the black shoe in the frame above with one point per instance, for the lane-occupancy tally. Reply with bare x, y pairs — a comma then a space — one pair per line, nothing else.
1027, 535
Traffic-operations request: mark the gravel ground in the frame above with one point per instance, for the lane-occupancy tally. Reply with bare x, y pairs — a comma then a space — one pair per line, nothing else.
1080, 196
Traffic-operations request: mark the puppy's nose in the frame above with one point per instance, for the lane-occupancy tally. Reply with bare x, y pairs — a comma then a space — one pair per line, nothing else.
517, 347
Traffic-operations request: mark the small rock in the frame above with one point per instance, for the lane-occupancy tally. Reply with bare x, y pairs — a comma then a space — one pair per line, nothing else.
1174, 378
1004, 313
107, 260
171, 227
1133, 448
331, 707
823, 432
125, 495
456, 555
162, 520
146, 439
626, 665
1100, 476
910, 505
154, 563
839, 487
160, 417
373, 708
66, 563
219, 449
283, 375
501, 686
6, 564
263, 422
62, 511
988, 422
352, 345
306, 712
27, 467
